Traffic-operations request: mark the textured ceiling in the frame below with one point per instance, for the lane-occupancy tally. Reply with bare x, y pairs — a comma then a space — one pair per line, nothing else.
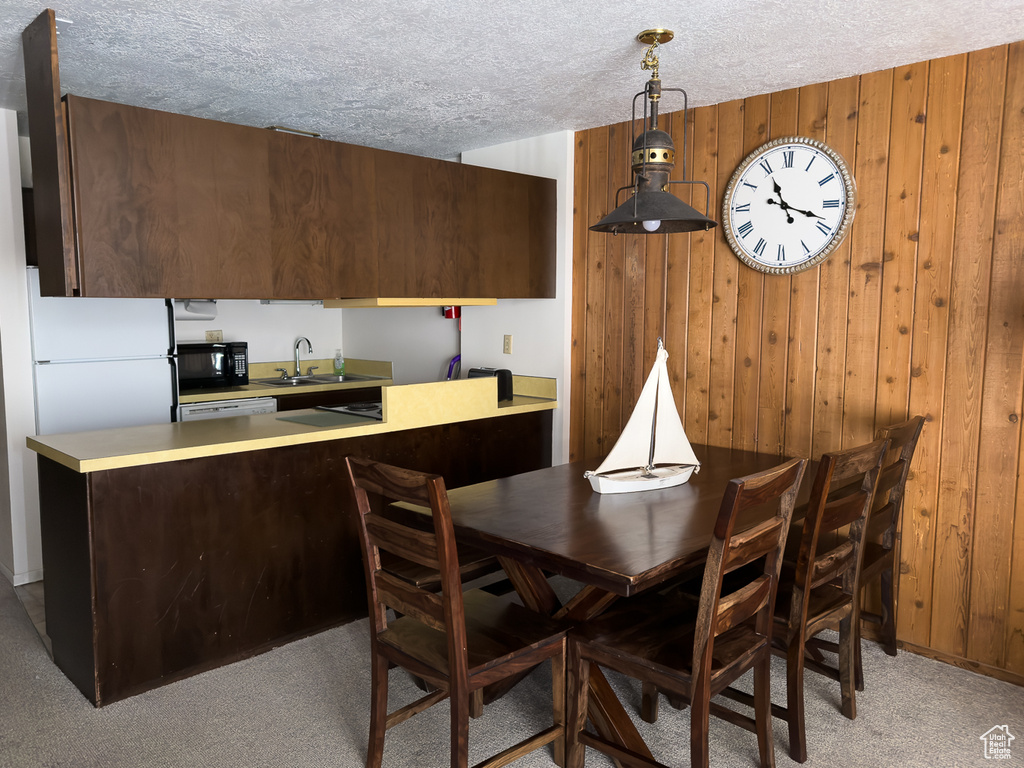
438, 77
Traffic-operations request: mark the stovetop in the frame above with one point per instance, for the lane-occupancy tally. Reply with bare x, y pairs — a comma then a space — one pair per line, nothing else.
369, 409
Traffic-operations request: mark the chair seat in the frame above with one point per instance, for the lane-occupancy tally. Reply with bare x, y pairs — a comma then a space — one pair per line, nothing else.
496, 628
826, 600
660, 630
473, 564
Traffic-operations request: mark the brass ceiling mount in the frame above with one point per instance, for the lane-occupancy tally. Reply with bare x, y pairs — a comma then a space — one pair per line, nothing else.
652, 36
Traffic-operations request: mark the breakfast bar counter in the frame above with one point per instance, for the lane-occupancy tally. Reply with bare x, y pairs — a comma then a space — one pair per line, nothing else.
176, 548
405, 407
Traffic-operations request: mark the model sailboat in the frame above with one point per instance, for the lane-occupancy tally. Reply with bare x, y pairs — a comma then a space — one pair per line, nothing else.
652, 452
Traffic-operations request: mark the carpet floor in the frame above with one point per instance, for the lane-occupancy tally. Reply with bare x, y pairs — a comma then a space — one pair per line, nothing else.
306, 704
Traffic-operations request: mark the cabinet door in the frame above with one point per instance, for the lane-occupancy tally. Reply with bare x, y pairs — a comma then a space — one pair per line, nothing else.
324, 221
418, 251
509, 235
463, 231
168, 205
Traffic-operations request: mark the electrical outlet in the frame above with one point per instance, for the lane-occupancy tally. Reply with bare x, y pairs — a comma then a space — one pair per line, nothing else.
506, 348
215, 336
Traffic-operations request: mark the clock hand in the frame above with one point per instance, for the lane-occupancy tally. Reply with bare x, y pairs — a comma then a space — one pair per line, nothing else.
782, 203
787, 207
784, 206
808, 214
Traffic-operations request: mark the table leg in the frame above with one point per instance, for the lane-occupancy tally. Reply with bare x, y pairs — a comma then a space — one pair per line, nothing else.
604, 709
532, 587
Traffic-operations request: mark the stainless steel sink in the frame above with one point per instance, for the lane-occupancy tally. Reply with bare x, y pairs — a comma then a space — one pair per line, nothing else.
332, 378
323, 378
289, 382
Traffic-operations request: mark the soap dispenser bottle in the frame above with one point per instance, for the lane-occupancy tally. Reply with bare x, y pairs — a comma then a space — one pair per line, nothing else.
339, 363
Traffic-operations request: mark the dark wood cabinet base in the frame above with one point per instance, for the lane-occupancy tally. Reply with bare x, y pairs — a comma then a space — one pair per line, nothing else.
158, 572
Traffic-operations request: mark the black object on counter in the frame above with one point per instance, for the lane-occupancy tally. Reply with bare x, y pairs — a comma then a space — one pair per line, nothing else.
504, 380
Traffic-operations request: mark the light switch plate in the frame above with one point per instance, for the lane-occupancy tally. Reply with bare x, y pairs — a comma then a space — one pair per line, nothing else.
506, 348
215, 336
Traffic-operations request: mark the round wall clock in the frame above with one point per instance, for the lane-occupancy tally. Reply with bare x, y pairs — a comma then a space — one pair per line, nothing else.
788, 205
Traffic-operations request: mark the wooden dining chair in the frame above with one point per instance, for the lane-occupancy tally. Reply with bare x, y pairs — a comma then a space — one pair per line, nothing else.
457, 641
694, 651
819, 590
882, 537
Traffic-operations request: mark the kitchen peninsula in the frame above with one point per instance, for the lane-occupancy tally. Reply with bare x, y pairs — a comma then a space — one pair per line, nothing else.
171, 549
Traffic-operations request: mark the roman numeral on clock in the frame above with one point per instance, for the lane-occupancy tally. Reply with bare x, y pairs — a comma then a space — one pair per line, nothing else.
781, 255
826, 180
745, 208
787, 159
745, 229
759, 248
766, 167
830, 204
824, 228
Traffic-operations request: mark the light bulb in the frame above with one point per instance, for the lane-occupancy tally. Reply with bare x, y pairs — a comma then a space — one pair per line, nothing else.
652, 226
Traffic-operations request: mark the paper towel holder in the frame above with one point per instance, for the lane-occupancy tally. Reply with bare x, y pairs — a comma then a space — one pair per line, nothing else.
195, 309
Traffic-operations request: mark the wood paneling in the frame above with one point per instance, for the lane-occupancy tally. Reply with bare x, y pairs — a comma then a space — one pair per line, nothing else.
919, 311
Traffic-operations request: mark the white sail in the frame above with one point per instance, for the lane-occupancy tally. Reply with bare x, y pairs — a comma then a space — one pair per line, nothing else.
652, 451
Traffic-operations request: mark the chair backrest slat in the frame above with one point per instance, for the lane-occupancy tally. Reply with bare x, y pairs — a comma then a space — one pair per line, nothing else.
403, 597
831, 563
751, 544
738, 606
408, 543
842, 511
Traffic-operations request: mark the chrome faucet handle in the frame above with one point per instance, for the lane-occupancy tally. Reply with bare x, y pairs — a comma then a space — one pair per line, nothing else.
311, 369
284, 372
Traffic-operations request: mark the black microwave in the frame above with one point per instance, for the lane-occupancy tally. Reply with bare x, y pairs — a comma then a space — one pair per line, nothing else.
210, 366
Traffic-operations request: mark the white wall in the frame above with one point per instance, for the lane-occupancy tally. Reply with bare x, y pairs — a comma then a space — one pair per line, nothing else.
20, 548
541, 329
270, 329
418, 340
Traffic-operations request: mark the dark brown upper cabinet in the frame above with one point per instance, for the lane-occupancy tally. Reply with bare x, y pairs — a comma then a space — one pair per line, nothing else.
169, 205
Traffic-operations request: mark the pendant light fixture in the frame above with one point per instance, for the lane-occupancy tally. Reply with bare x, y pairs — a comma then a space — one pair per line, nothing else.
652, 209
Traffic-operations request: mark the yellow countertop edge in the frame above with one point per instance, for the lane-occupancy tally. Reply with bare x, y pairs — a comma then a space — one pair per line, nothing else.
408, 406
401, 301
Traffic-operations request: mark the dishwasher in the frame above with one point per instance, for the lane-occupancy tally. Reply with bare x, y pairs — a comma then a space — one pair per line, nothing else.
219, 409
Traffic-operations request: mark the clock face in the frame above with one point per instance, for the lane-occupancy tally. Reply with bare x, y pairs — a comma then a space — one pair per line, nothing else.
788, 205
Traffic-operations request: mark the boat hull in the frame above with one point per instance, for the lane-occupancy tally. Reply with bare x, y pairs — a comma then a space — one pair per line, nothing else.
636, 480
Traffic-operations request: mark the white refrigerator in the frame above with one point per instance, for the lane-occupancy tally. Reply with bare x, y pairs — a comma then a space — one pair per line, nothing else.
100, 363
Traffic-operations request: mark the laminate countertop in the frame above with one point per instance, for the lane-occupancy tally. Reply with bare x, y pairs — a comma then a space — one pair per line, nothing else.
407, 406
368, 373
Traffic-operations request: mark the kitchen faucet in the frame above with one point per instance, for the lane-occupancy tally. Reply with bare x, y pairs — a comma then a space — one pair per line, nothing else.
309, 350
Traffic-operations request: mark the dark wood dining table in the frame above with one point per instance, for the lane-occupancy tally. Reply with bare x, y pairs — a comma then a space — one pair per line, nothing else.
614, 545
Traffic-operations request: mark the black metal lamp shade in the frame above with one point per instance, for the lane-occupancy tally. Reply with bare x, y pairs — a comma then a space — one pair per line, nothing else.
653, 206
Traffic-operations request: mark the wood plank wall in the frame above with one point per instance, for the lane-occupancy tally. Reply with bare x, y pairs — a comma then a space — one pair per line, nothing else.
920, 311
